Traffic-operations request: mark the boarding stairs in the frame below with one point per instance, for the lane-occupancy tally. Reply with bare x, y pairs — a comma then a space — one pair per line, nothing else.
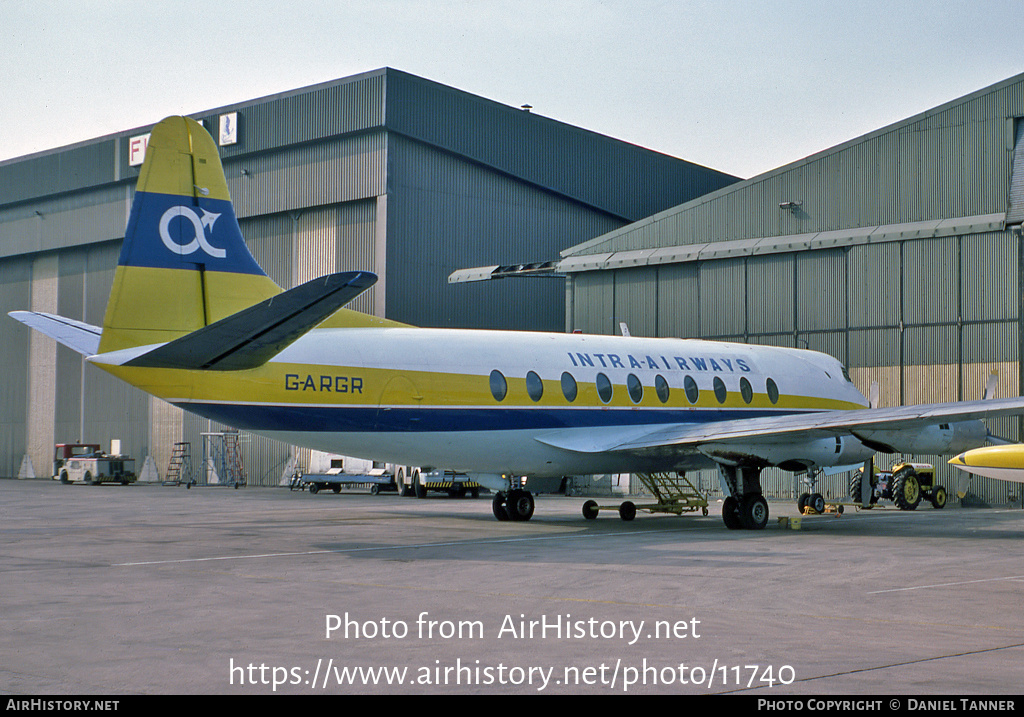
674, 493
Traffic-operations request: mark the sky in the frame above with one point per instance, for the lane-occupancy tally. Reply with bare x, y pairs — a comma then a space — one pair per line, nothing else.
742, 87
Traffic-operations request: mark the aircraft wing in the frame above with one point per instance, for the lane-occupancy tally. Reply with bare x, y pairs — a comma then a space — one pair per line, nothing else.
799, 426
76, 335
253, 336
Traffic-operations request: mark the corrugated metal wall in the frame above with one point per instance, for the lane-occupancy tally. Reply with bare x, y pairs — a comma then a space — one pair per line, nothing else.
445, 213
15, 293
625, 181
951, 162
928, 319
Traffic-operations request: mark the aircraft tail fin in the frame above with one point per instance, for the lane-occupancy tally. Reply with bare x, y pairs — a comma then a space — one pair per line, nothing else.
184, 264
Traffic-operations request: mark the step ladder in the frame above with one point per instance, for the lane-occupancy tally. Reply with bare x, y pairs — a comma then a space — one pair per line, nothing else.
673, 491
179, 470
233, 459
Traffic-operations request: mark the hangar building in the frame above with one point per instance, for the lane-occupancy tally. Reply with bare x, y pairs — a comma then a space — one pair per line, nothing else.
898, 252
382, 171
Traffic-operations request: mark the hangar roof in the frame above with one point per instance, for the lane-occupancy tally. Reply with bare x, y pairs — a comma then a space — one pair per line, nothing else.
621, 179
944, 171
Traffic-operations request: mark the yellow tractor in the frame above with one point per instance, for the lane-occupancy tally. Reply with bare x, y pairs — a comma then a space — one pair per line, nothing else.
905, 484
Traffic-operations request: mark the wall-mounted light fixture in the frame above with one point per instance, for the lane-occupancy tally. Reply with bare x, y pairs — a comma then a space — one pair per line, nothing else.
791, 206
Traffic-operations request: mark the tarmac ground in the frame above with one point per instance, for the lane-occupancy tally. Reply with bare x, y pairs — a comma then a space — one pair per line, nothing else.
143, 589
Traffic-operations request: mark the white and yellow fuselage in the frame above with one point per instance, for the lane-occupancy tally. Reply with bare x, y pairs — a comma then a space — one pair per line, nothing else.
484, 401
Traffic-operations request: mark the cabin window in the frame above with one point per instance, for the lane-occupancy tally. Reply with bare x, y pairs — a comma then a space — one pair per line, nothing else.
690, 387
534, 386
635, 388
499, 387
773, 391
720, 391
661, 387
604, 388
569, 388
746, 390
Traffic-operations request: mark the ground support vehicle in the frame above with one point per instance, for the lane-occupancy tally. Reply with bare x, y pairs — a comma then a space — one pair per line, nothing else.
411, 480
674, 493
376, 480
86, 463
905, 484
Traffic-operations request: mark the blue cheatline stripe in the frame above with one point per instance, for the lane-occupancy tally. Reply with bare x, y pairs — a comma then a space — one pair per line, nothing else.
168, 231
349, 419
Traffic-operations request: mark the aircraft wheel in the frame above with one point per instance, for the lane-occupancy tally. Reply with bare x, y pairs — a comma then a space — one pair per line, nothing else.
754, 512
519, 505
627, 511
731, 513
939, 498
590, 509
801, 502
498, 507
817, 503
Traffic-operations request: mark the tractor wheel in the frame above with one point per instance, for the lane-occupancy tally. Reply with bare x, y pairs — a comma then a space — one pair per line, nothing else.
939, 497
906, 489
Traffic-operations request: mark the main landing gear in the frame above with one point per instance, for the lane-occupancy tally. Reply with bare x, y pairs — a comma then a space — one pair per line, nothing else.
744, 507
515, 505
750, 512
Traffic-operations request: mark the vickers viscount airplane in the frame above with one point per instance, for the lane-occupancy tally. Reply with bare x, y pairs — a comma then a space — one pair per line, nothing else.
193, 319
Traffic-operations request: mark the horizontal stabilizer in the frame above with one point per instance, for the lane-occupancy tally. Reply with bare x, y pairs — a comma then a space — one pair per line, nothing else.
255, 335
76, 335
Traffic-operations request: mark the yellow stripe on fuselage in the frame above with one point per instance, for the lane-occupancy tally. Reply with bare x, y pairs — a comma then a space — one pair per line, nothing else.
320, 385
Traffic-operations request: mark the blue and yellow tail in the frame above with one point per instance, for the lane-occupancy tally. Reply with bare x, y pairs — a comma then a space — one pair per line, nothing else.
184, 264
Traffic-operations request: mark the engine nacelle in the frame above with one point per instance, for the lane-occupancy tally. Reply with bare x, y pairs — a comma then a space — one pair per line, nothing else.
793, 456
942, 439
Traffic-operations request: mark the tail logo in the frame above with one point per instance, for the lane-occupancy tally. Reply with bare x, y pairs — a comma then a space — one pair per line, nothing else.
199, 224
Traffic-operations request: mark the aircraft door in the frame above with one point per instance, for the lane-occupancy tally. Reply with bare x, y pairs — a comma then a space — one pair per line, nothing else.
398, 406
